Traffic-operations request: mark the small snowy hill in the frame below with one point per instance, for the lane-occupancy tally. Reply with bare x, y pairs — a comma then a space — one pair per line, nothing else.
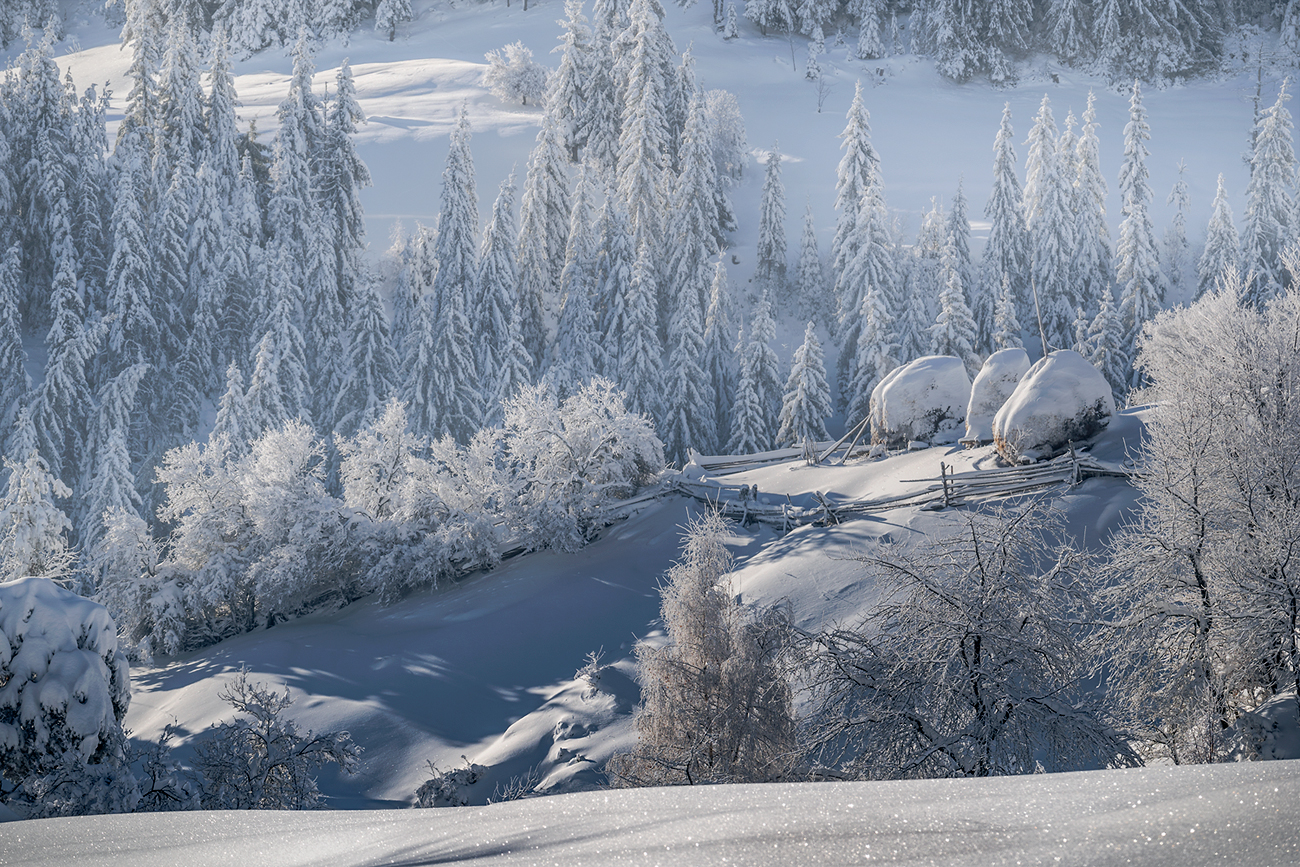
485, 669
1184, 816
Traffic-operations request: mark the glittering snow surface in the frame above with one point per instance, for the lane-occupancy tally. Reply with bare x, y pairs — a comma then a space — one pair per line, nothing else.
1219, 814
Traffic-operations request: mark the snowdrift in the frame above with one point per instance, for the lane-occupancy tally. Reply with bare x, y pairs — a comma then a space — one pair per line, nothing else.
1186, 816
1062, 399
924, 401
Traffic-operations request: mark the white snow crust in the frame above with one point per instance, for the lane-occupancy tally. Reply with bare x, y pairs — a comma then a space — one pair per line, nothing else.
1184, 816
924, 401
1062, 399
995, 382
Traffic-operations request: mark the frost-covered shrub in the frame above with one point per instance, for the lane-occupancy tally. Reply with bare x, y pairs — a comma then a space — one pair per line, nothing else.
64, 689
514, 76
567, 463
448, 788
1061, 399
726, 134
924, 401
260, 760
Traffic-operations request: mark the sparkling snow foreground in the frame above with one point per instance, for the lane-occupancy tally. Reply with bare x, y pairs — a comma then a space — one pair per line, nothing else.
1190, 815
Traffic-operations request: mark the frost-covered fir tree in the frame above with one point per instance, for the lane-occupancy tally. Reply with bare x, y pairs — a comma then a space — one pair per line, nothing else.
574, 357
858, 172
598, 125
1177, 252
719, 361
777, 15
1006, 330
1007, 251
61, 403
280, 388
877, 354
617, 261
543, 233
418, 365
1048, 218
179, 134
812, 70
458, 406
771, 249
14, 381
748, 435
1106, 345
639, 352
1268, 224
492, 306
870, 15
34, 535
1222, 246
758, 393
109, 482
953, 332
234, 424
343, 177
957, 228
457, 248
132, 329
391, 14
1091, 263
1070, 30
1082, 343
692, 228
1137, 261
566, 89
806, 404
874, 264
689, 417
814, 301
514, 372
372, 364
731, 29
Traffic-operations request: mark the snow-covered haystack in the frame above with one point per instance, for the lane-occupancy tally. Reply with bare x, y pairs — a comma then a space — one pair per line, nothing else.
922, 401
1062, 399
995, 382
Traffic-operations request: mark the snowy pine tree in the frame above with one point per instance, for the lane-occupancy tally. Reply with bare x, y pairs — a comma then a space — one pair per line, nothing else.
1269, 202
1177, 252
638, 350
491, 309
372, 364
1222, 247
543, 234
1006, 331
1137, 262
1091, 262
1007, 251
1048, 218
770, 253
806, 404
877, 354
953, 332
814, 301
689, 419
1106, 344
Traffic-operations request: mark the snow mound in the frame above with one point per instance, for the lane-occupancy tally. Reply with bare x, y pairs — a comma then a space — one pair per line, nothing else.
996, 381
1062, 399
924, 401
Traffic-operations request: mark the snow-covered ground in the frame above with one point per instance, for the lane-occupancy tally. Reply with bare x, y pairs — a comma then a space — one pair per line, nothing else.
1184, 816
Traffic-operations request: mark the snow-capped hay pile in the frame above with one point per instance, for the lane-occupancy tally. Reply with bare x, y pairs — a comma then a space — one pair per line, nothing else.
994, 384
924, 401
1062, 399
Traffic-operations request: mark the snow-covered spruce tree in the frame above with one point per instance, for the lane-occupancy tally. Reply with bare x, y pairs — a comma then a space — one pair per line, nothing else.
806, 404
1006, 329
639, 352
233, 420
566, 91
107, 479
574, 357
66, 690
957, 228
1138, 271
1177, 252
758, 392
543, 234
1222, 246
14, 381
457, 409
34, 540
614, 269
874, 264
1156, 41
719, 360
280, 388
457, 248
691, 232
689, 407
260, 760
770, 252
343, 177
643, 141
1091, 262
1048, 218
1269, 219
814, 301
1106, 345
858, 171
1007, 251
1070, 30
492, 305
947, 675
179, 132
877, 354
598, 125
716, 705
953, 332
372, 363
391, 14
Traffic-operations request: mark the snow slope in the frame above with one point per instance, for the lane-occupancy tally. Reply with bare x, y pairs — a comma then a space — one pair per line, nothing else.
1184, 816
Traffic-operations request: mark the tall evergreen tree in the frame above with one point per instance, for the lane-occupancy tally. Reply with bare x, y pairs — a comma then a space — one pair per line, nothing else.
718, 361
1269, 202
953, 332
1222, 247
1177, 252
617, 262
691, 228
543, 234
877, 353
771, 249
958, 229
1007, 251
457, 248
1106, 338
806, 404
813, 298
14, 381
419, 363
639, 352
372, 365
62, 401
566, 90
764, 366
1091, 263
132, 330
644, 140
1006, 334
343, 177
180, 133
689, 420
858, 171
1048, 218
107, 480
491, 309
574, 356
458, 403
233, 420
1138, 265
